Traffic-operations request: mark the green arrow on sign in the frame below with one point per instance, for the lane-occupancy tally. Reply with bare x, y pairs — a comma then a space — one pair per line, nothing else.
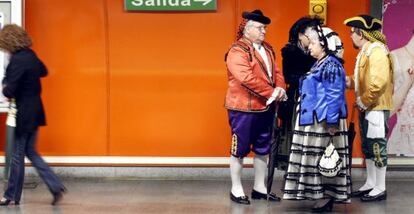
205, 2
171, 5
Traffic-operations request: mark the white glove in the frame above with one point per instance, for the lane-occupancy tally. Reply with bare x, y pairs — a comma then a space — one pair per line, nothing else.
279, 94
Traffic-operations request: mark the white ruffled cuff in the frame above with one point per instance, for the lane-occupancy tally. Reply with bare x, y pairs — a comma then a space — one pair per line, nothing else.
360, 104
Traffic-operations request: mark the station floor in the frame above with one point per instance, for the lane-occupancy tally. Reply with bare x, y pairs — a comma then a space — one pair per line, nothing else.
187, 196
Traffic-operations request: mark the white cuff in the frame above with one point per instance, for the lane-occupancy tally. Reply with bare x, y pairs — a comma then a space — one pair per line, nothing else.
360, 104
270, 100
284, 98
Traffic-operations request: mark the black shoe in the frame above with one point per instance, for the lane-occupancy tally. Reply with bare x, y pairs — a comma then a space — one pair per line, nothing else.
57, 197
240, 200
325, 208
360, 193
63, 189
379, 197
259, 195
6, 202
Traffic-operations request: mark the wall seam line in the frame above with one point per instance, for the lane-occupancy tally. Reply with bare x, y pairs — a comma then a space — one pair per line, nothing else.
108, 77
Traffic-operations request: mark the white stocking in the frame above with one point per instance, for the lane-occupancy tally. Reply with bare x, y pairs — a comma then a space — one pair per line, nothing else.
371, 175
380, 184
260, 169
236, 166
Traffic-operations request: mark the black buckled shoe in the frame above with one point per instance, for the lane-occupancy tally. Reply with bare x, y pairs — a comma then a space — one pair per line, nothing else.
259, 195
240, 200
379, 197
360, 193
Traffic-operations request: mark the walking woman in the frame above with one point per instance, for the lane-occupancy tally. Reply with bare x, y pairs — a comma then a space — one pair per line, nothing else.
321, 116
22, 83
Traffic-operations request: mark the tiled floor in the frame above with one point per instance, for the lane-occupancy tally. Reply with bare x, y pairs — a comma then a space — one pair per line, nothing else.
192, 196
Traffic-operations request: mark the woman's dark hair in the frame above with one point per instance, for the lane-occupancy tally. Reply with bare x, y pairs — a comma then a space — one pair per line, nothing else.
300, 26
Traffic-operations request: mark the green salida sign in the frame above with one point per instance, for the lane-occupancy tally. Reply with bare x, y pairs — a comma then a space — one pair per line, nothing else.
171, 5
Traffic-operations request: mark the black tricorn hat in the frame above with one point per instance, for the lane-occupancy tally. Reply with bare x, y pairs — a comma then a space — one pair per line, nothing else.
364, 22
256, 15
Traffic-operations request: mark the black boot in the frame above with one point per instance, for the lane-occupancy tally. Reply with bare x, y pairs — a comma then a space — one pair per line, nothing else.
57, 197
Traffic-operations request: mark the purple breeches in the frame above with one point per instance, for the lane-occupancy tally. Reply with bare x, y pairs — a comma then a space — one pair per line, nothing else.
250, 131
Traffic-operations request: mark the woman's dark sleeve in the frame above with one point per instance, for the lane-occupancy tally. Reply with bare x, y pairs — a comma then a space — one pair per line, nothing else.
288, 68
14, 73
43, 69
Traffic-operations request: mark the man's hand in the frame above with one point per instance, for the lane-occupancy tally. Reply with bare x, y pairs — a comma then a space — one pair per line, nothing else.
281, 96
278, 95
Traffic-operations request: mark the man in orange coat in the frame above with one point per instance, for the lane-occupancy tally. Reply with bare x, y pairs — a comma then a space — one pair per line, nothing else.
254, 84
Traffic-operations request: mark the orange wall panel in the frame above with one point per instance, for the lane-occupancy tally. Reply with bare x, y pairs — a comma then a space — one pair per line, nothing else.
168, 81
70, 37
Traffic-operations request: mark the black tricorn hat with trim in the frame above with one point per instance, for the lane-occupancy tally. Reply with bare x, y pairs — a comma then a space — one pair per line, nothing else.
364, 22
256, 15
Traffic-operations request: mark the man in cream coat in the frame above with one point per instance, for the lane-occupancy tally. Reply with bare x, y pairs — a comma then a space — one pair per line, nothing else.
373, 82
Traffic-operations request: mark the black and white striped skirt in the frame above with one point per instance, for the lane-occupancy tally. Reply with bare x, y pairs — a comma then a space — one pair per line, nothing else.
303, 180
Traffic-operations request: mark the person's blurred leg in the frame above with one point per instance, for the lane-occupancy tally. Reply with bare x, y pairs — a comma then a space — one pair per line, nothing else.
47, 175
16, 178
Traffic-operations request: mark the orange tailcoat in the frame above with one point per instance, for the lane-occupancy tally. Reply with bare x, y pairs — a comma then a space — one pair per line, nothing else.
249, 85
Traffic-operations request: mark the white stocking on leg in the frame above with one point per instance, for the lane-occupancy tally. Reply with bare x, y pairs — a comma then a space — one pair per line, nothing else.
371, 175
380, 184
260, 169
236, 166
